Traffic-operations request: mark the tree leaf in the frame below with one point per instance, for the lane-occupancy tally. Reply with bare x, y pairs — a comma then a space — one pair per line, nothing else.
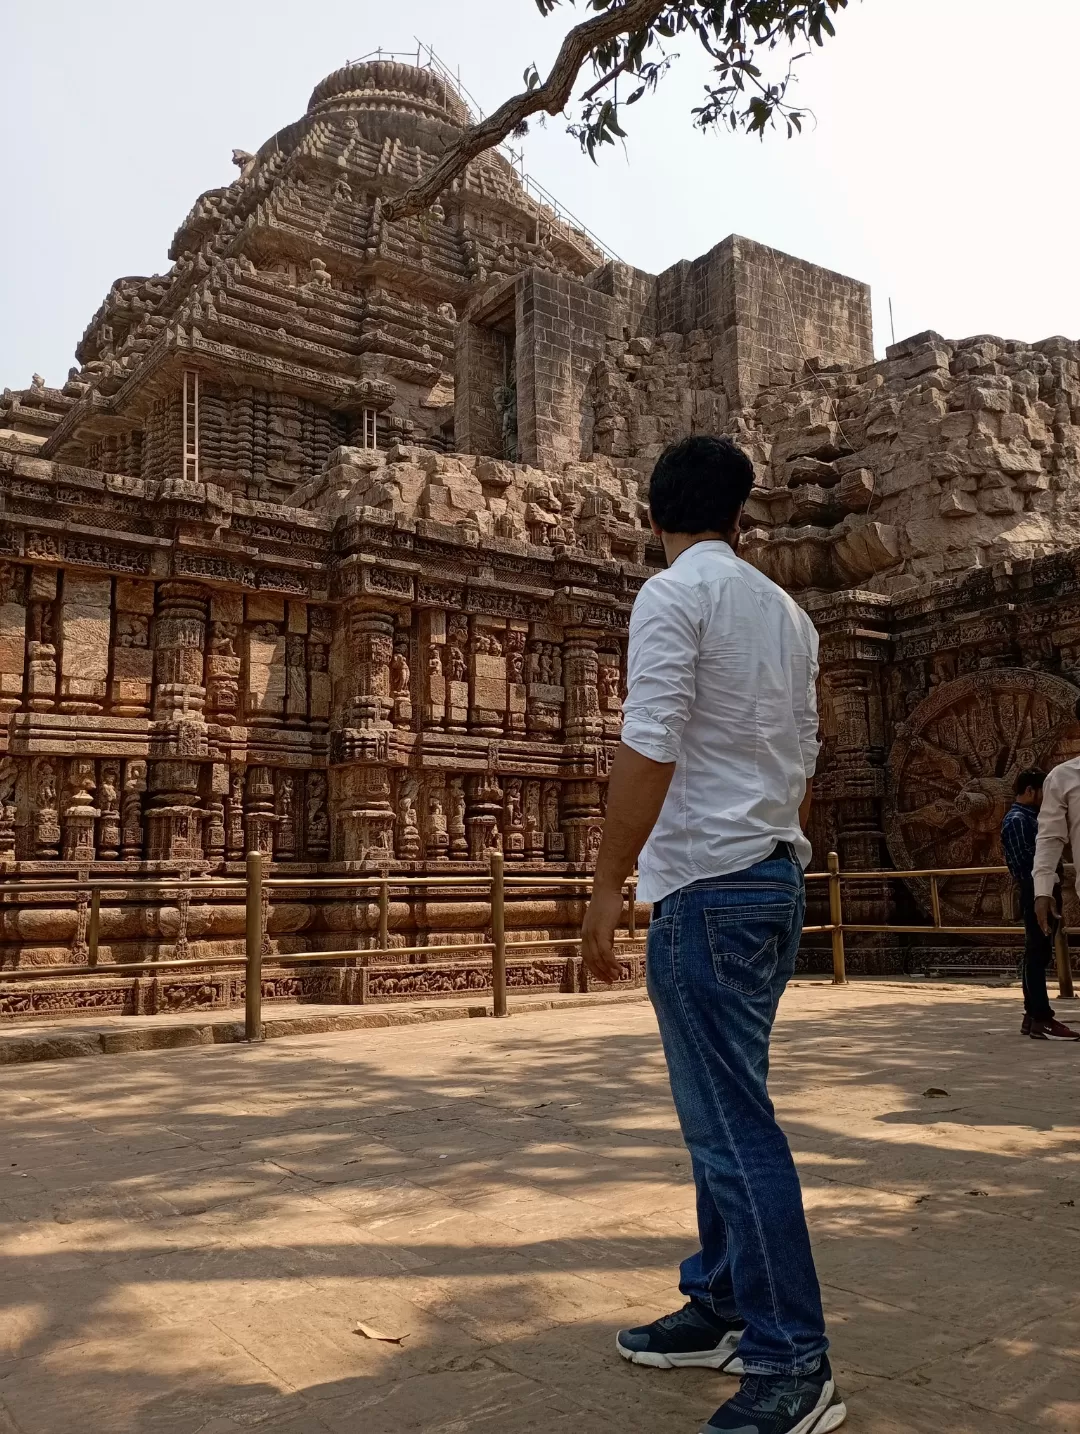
369, 1332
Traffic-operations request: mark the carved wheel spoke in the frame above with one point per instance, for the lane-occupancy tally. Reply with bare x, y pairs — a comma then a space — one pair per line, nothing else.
950, 776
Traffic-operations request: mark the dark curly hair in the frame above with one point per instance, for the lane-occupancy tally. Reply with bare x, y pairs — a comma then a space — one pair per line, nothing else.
699, 484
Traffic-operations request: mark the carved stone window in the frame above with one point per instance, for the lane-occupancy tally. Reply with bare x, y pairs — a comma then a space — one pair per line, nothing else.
369, 428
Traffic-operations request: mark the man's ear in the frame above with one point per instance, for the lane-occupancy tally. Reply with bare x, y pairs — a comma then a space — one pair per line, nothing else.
655, 526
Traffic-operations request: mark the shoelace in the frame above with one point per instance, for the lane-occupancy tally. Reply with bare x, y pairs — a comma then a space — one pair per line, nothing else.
679, 1317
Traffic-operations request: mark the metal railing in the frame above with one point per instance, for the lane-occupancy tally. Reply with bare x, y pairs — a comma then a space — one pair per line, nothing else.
257, 887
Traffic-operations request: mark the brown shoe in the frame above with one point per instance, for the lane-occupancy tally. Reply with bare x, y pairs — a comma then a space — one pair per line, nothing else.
1055, 1030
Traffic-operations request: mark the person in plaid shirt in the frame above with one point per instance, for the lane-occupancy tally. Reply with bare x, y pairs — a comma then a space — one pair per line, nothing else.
1019, 832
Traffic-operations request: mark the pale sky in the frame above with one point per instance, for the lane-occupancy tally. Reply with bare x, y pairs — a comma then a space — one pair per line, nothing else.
942, 169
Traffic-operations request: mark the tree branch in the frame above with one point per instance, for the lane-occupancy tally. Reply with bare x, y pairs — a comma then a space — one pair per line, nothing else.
551, 97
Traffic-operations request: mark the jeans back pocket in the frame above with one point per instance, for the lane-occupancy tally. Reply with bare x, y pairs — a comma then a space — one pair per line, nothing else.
744, 940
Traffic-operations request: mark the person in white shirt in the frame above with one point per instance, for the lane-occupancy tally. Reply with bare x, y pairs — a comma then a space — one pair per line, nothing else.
709, 792
1059, 823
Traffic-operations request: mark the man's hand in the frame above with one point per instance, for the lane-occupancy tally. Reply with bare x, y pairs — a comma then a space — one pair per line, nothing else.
598, 933
1044, 909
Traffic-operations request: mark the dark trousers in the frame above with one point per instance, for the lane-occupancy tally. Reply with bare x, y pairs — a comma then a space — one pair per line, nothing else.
1038, 953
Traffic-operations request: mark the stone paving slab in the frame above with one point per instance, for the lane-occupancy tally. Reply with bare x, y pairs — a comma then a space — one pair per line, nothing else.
21, 1042
188, 1239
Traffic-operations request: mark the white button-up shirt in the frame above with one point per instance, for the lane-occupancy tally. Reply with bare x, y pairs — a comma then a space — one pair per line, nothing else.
721, 679
1059, 822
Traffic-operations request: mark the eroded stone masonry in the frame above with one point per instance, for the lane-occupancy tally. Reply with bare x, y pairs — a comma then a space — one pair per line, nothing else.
327, 545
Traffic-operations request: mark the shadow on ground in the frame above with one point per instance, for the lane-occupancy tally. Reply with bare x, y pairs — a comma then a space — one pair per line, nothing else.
189, 1239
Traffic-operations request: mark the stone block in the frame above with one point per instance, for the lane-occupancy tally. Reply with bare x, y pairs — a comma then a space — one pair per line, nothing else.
12, 639
134, 596
42, 585
297, 618
227, 607
264, 607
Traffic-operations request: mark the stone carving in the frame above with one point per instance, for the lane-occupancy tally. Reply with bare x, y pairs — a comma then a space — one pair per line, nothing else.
109, 801
376, 506
950, 775
46, 810
318, 822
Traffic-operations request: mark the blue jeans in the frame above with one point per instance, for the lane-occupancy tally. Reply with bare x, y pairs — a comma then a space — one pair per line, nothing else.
719, 955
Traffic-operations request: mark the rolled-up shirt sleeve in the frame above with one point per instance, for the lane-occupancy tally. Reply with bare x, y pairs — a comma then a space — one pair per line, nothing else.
809, 741
1053, 832
661, 678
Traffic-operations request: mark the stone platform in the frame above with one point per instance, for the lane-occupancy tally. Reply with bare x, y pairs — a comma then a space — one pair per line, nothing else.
190, 1239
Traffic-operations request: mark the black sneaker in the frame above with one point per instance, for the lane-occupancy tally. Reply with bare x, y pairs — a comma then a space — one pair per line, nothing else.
782, 1404
692, 1336
1025, 1025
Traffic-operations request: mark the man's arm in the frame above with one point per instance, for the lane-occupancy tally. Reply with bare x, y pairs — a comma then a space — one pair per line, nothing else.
661, 684
806, 803
636, 791
1053, 834
809, 740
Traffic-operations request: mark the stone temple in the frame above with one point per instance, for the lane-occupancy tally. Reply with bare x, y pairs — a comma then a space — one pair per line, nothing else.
327, 545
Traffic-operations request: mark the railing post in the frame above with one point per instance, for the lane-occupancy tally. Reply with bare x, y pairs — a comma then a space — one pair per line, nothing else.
836, 917
1064, 964
935, 901
95, 922
253, 1029
384, 915
498, 936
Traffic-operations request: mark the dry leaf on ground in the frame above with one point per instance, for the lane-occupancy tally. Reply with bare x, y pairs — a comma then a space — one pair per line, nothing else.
369, 1332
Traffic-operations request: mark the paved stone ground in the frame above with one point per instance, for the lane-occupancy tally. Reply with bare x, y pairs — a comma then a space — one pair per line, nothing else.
189, 1238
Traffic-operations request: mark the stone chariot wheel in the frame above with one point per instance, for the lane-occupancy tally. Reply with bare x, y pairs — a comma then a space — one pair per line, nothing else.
950, 776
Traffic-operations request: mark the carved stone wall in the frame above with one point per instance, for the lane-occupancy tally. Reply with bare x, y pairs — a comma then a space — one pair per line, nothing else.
326, 549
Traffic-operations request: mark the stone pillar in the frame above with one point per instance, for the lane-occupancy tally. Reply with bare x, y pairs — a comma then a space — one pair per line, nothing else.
214, 829
582, 822
583, 722
179, 653
234, 813
456, 672
514, 820
544, 688
455, 796
131, 813
260, 813
551, 816
316, 820
41, 640
46, 809
409, 844
516, 690
487, 677
266, 671
484, 809
296, 675
133, 656
223, 659
367, 816
401, 674
86, 625
178, 741
109, 803
365, 674
80, 813
13, 586
433, 662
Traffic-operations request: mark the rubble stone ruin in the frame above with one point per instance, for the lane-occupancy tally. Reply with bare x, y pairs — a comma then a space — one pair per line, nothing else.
327, 545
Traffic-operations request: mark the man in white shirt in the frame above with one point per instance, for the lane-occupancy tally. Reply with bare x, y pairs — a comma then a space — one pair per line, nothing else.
711, 787
1059, 823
